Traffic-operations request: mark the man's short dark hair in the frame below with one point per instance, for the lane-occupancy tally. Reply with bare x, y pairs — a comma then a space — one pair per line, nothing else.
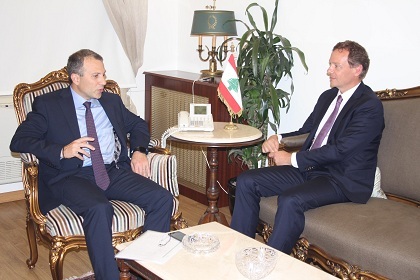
76, 60
357, 55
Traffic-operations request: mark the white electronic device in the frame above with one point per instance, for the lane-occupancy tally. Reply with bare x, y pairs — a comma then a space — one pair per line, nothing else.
198, 119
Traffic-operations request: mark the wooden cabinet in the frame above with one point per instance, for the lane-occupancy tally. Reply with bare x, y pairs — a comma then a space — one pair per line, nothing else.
167, 93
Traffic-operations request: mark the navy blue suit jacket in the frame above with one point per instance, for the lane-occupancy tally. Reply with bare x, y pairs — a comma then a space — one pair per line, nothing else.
350, 155
52, 124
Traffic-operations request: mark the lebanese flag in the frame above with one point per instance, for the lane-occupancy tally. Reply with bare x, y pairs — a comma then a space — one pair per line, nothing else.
229, 90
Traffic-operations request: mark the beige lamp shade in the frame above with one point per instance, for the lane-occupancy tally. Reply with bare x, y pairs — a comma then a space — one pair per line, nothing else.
213, 23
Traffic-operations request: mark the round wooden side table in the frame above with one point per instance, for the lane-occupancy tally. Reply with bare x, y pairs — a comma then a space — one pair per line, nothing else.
220, 137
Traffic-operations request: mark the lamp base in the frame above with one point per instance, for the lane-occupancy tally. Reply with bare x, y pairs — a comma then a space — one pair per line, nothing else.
208, 73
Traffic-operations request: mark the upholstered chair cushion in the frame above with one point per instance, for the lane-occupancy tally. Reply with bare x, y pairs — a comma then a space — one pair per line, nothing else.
164, 171
399, 163
377, 190
64, 222
380, 247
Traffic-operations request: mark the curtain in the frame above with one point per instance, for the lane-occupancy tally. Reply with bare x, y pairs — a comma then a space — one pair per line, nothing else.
129, 19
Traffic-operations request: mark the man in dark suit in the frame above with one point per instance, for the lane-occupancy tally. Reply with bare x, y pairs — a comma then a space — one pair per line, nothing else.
336, 164
57, 132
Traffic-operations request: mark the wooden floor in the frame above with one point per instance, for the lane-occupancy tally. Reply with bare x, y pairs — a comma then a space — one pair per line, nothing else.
15, 250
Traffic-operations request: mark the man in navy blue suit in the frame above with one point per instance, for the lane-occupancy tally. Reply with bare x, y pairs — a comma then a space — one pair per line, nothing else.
56, 132
336, 164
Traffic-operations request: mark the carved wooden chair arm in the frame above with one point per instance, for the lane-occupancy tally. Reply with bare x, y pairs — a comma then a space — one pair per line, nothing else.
30, 184
290, 144
293, 143
159, 150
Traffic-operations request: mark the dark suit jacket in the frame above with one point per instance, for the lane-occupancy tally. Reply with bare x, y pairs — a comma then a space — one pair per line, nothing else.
52, 124
350, 155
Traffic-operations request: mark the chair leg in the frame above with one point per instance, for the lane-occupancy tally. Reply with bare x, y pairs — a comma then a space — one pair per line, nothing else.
33, 249
178, 222
57, 253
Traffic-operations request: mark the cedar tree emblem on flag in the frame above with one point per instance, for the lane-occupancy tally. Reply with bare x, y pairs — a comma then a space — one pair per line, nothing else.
229, 90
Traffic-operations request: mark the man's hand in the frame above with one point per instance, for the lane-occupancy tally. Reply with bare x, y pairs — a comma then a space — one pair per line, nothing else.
281, 157
75, 148
271, 144
140, 164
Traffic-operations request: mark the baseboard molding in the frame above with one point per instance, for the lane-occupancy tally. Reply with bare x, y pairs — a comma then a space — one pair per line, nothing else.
12, 196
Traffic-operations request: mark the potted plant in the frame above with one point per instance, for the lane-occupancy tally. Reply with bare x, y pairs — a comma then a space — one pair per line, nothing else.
264, 59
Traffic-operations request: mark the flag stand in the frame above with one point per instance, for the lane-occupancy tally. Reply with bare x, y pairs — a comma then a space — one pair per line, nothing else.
231, 125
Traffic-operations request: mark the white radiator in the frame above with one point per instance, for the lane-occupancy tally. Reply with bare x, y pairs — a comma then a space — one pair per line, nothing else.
10, 164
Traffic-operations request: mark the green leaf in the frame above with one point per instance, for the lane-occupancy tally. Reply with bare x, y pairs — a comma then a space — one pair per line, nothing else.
274, 17
255, 55
275, 107
250, 18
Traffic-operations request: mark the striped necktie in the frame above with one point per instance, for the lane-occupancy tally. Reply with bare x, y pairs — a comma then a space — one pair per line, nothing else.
98, 166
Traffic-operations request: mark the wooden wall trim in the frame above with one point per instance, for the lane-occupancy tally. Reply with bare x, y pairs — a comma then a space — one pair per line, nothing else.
12, 196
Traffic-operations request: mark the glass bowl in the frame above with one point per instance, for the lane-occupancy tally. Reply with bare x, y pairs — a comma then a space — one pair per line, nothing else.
201, 243
256, 262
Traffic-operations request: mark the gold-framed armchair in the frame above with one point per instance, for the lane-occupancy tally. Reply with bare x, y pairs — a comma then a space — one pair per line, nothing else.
60, 230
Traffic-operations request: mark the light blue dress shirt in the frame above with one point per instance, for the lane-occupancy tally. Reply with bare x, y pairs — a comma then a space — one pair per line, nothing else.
103, 126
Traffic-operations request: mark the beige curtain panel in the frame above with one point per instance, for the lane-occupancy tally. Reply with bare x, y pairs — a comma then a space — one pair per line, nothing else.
129, 18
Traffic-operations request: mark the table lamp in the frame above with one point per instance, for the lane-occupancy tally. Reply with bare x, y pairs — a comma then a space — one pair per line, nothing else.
213, 23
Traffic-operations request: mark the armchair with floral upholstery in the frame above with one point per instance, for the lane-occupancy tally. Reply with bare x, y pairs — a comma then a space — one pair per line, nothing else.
61, 229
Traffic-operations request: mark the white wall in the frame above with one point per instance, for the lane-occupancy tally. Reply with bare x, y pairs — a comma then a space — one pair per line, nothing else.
38, 36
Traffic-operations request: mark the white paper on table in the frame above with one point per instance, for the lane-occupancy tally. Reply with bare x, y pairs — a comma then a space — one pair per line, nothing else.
146, 248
